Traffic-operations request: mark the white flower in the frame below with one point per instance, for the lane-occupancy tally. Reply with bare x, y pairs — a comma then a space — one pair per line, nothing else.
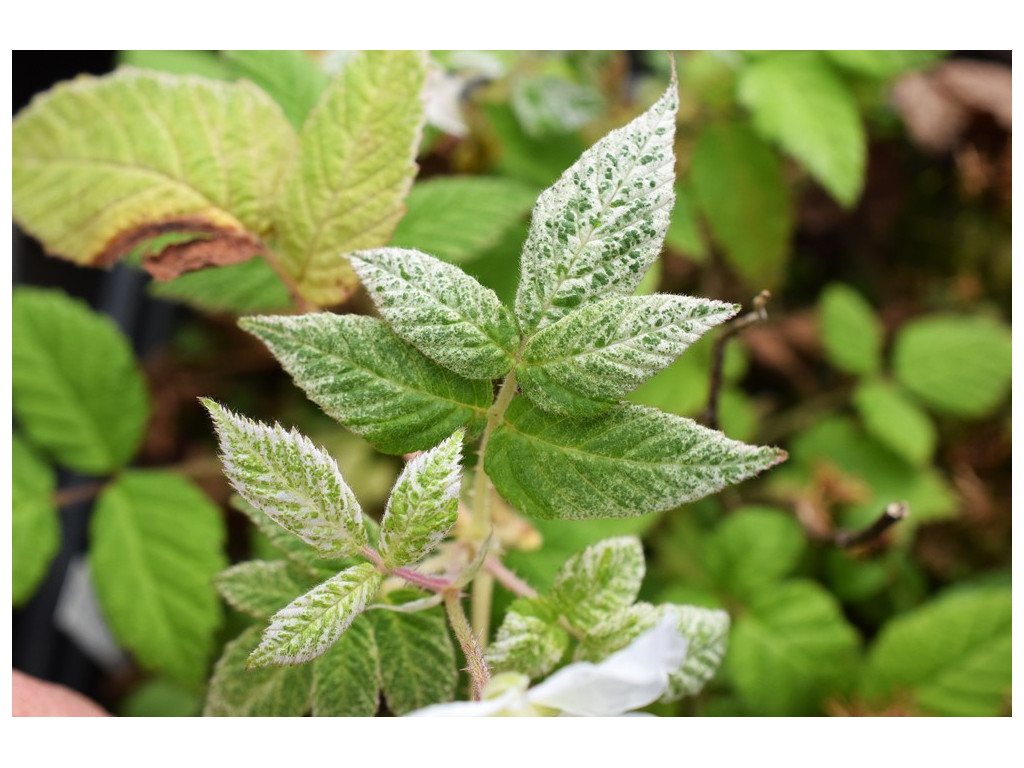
632, 678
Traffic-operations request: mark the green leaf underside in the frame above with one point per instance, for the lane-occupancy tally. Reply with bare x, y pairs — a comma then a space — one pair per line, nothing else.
799, 102
598, 229
306, 628
371, 381
251, 286
897, 421
423, 505
261, 588
439, 309
285, 476
355, 164
236, 691
77, 391
292, 78
741, 191
417, 658
851, 333
603, 579
956, 365
346, 679
529, 640
707, 634
169, 537
590, 359
35, 526
97, 157
626, 462
460, 218
791, 650
953, 655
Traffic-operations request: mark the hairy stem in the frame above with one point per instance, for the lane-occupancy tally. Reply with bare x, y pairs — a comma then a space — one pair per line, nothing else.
508, 579
468, 641
422, 580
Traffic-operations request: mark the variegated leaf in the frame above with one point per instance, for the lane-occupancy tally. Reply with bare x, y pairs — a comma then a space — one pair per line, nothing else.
261, 588
423, 505
306, 628
707, 631
600, 581
363, 375
589, 360
529, 640
616, 631
291, 480
235, 691
626, 462
600, 226
439, 309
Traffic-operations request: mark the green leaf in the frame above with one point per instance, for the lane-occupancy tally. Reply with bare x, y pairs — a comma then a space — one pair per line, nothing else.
102, 164
439, 309
533, 161
236, 691
851, 332
529, 640
285, 476
599, 228
626, 462
798, 101
417, 658
307, 627
251, 286
35, 527
346, 679
683, 234
551, 105
371, 381
740, 189
156, 546
791, 650
261, 588
160, 698
600, 581
896, 421
956, 364
423, 505
615, 631
707, 632
589, 360
76, 389
752, 550
355, 164
952, 656
292, 78
202, 63
459, 218
883, 64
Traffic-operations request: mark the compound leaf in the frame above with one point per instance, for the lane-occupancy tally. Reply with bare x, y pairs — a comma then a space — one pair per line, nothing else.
600, 581
363, 375
35, 526
261, 588
236, 691
439, 309
346, 679
529, 640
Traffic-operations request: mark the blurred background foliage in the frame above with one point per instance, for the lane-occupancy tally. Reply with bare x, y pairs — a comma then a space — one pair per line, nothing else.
869, 191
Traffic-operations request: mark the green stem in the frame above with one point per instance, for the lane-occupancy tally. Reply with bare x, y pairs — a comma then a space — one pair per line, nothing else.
469, 642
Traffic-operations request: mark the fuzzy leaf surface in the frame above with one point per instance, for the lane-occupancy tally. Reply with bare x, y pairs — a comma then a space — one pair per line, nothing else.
76, 389
98, 160
598, 229
367, 378
600, 581
308, 626
850, 331
423, 505
35, 525
439, 309
261, 588
589, 360
236, 691
288, 478
156, 545
346, 679
707, 632
626, 462
529, 640
356, 161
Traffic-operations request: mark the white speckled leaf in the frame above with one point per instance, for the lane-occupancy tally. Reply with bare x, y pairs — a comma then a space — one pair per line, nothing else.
599, 581
261, 588
235, 691
589, 360
439, 309
529, 640
601, 225
363, 375
626, 462
615, 631
297, 484
355, 164
307, 627
707, 631
423, 505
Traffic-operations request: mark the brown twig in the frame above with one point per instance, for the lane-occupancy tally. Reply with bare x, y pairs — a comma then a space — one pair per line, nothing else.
891, 515
65, 497
756, 315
